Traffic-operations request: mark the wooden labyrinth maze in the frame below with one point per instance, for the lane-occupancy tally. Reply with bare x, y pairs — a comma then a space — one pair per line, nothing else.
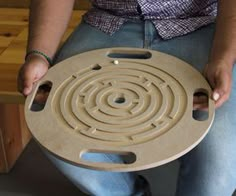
120, 101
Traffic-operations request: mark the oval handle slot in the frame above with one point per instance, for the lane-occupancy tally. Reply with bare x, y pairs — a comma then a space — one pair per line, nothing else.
97, 156
129, 54
200, 105
41, 96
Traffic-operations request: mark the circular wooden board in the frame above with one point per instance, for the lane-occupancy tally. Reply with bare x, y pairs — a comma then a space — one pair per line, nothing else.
123, 101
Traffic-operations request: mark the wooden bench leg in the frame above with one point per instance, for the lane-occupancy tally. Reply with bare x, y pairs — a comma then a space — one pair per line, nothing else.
14, 135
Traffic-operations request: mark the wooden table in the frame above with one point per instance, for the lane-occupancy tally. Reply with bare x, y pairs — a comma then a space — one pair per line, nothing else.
14, 134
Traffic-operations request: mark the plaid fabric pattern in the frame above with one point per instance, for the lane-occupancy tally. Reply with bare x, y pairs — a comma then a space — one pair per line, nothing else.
171, 18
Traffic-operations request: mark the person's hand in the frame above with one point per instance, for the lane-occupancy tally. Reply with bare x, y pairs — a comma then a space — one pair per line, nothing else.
30, 72
200, 101
219, 76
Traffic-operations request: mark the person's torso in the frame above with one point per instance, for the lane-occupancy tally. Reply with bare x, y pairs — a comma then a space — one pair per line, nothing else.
158, 9
171, 18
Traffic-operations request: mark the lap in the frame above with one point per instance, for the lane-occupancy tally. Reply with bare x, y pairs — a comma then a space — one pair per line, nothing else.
217, 151
193, 48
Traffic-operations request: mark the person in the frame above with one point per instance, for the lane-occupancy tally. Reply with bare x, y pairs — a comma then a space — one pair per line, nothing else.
185, 29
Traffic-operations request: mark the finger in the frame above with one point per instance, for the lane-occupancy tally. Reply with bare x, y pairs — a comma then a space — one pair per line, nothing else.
20, 85
222, 99
28, 82
221, 91
42, 93
202, 106
200, 102
41, 97
200, 99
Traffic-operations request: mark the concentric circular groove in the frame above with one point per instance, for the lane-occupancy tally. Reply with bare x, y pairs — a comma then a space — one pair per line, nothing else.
151, 102
132, 106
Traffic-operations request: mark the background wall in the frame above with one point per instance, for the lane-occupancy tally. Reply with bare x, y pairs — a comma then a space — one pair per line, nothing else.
79, 4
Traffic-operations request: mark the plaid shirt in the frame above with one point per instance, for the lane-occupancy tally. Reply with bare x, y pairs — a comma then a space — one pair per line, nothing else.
171, 18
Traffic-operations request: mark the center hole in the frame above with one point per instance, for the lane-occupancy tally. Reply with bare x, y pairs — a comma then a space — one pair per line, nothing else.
120, 100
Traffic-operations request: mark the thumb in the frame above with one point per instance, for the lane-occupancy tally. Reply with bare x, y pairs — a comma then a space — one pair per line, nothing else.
28, 84
221, 90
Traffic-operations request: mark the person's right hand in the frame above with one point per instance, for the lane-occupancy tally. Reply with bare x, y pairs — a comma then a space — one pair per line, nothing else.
34, 68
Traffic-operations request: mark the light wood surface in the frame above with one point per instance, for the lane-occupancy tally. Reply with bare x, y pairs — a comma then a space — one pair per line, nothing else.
13, 37
14, 134
100, 103
79, 4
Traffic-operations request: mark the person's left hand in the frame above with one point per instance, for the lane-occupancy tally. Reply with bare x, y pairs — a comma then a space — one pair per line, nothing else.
219, 75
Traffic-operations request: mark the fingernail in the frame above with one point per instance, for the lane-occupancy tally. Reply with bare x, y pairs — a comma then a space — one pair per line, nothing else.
216, 96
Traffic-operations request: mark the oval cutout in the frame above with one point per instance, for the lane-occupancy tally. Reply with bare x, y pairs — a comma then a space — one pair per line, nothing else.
108, 157
129, 54
41, 96
200, 105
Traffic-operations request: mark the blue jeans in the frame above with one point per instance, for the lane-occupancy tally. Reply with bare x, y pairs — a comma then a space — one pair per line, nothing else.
210, 168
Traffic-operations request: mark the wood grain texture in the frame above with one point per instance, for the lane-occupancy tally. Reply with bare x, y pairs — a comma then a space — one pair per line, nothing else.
3, 161
10, 134
14, 134
25, 133
13, 39
79, 4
